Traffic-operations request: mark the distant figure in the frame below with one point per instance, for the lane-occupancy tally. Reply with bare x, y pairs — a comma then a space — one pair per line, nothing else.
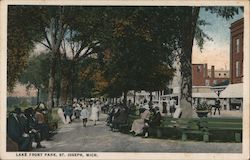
61, 115
68, 113
84, 115
172, 106
217, 106
94, 113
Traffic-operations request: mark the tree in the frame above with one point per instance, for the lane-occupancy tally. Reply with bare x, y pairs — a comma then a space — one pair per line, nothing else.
21, 41
140, 59
36, 73
85, 36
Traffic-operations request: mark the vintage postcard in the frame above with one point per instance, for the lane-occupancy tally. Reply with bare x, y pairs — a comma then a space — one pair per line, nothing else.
151, 79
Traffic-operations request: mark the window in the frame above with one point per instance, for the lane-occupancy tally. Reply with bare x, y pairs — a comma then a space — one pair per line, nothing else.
207, 82
204, 71
219, 74
225, 74
198, 68
237, 68
215, 82
237, 45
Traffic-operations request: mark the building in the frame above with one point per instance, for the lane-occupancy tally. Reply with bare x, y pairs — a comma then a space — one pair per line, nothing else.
234, 91
202, 76
236, 52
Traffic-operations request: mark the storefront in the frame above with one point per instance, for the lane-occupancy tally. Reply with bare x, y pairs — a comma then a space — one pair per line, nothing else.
233, 94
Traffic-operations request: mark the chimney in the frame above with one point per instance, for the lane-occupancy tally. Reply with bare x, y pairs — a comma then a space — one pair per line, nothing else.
212, 72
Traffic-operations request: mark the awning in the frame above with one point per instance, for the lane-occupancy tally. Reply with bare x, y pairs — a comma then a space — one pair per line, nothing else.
233, 91
204, 95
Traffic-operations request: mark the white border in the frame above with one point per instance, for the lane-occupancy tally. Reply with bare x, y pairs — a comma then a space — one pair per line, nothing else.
112, 155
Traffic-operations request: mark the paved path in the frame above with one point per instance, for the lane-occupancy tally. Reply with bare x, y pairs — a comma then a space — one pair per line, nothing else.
75, 138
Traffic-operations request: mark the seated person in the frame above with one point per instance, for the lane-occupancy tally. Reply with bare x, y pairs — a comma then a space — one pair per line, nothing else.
154, 121
120, 118
41, 125
16, 132
110, 115
138, 124
33, 127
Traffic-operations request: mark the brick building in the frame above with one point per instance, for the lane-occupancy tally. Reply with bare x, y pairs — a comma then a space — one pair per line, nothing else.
202, 76
236, 52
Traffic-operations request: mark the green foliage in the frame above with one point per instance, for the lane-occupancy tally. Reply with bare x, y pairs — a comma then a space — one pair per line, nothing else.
37, 71
21, 37
203, 107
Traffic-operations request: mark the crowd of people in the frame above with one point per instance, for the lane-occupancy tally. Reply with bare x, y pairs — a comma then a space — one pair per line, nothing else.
150, 116
80, 109
31, 125
25, 127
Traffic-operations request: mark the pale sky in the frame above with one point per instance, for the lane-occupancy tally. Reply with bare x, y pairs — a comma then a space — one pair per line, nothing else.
215, 52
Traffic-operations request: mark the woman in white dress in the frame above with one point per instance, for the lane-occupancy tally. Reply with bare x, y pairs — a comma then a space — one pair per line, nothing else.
61, 115
94, 113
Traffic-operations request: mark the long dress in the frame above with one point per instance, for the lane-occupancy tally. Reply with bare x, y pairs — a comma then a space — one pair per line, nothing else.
139, 124
94, 113
61, 115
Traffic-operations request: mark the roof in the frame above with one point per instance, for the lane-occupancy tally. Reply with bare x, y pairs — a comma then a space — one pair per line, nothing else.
205, 95
233, 91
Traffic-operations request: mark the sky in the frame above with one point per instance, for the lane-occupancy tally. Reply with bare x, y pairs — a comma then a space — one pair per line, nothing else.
215, 52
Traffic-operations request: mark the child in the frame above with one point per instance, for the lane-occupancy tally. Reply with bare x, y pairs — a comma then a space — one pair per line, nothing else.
84, 115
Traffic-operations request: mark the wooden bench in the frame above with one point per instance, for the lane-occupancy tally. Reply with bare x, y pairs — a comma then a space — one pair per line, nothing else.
222, 128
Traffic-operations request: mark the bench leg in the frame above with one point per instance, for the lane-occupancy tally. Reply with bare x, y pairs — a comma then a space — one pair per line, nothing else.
205, 137
237, 137
184, 137
158, 133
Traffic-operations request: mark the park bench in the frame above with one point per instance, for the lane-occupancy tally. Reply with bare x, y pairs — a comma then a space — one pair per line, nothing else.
125, 127
222, 128
178, 128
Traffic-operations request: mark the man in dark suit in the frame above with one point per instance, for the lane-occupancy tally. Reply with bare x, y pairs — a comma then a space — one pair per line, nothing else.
33, 127
16, 131
154, 121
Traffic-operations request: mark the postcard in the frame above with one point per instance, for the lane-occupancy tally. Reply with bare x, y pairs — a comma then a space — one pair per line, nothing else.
115, 79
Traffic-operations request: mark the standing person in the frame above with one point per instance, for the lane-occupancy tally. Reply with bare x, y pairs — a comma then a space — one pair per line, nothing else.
94, 113
217, 106
68, 113
84, 115
172, 106
98, 105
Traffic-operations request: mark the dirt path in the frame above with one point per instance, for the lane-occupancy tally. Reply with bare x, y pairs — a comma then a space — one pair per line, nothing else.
75, 138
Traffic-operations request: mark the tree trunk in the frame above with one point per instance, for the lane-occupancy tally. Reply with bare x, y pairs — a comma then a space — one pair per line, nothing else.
125, 98
51, 88
64, 90
186, 62
38, 94
134, 96
151, 99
